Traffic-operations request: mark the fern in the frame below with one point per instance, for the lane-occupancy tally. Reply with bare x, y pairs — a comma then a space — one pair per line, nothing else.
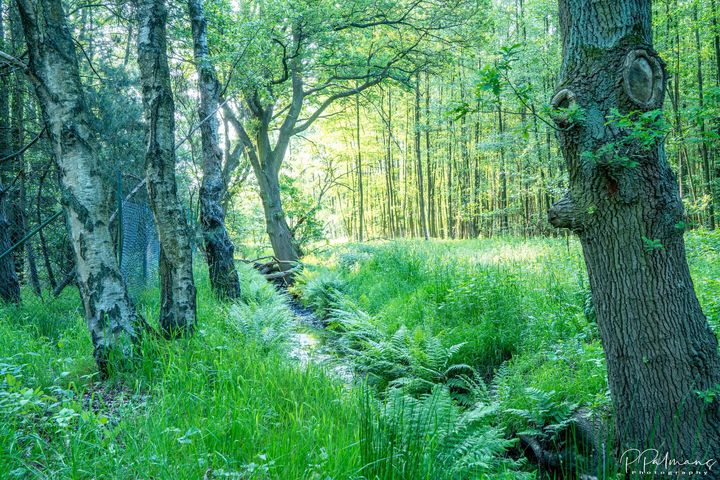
268, 324
319, 290
431, 437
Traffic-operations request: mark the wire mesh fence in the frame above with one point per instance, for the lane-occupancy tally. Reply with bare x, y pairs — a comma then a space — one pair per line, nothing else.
138, 247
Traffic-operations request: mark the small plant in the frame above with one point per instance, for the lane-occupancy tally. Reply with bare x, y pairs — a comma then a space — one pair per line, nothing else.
644, 129
710, 395
431, 437
650, 245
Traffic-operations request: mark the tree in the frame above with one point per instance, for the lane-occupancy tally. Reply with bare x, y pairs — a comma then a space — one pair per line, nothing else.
219, 250
53, 69
623, 203
9, 286
418, 156
178, 308
324, 53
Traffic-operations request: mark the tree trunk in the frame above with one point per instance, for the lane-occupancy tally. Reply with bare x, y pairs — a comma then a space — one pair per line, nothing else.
659, 347
41, 234
704, 153
504, 228
114, 325
219, 250
418, 156
20, 197
281, 237
177, 309
9, 285
716, 45
430, 176
359, 167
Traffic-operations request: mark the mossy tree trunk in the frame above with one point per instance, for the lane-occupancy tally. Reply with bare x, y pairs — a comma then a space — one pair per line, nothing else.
623, 203
219, 250
178, 308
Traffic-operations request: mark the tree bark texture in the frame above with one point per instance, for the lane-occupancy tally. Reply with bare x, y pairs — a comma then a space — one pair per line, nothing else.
178, 308
283, 243
659, 347
53, 69
9, 285
219, 250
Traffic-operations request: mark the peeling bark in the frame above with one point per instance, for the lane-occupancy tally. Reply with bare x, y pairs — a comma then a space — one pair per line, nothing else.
219, 250
177, 288
658, 344
53, 69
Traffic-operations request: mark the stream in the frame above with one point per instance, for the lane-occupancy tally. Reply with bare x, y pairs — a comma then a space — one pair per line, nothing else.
308, 346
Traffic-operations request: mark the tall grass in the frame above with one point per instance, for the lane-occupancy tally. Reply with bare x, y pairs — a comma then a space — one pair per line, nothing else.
459, 347
223, 404
520, 309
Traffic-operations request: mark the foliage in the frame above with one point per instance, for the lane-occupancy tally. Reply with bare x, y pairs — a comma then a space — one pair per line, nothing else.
320, 289
219, 404
431, 437
301, 210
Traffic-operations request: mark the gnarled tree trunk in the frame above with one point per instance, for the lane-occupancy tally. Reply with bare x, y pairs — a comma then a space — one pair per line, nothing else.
219, 250
114, 325
178, 308
623, 202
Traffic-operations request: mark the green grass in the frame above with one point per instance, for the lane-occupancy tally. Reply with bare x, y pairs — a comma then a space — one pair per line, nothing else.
521, 309
229, 403
222, 403
496, 296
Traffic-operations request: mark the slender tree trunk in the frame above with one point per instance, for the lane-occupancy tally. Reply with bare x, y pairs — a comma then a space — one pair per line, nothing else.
219, 250
359, 167
177, 309
716, 39
43, 241
675, 103
418, 155
28, 247
9, 285
503, 174
450, 196
281, 237
18, 135
704, 153
389, 172
114, 325
659, 347
716, 45
432, 227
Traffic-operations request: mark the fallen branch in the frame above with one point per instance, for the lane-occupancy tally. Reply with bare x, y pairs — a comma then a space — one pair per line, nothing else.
283, 274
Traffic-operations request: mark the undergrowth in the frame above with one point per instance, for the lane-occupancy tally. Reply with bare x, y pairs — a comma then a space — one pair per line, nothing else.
430, 320
460, 350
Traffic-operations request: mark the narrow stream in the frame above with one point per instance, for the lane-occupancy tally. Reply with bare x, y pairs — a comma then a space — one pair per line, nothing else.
308, 346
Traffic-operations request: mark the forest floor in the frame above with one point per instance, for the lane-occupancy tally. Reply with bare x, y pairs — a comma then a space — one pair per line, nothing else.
418, 360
